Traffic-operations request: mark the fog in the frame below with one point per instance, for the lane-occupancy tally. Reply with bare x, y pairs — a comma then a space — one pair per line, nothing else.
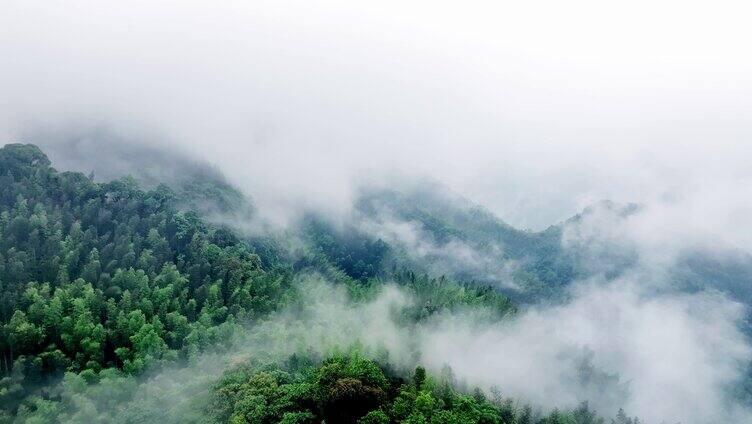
675, 356
532, 110
663, 358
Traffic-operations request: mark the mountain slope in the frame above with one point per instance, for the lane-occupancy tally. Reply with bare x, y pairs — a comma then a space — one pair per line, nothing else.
105, 280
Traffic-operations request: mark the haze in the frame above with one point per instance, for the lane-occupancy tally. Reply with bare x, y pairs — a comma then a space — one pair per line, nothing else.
534, 110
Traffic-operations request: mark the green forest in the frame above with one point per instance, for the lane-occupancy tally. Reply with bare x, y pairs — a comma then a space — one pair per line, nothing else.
103, 286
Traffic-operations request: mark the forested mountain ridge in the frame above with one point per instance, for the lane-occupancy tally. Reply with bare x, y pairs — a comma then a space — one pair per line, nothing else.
104, 157
103, 277
474, 235
428, 230
103, 284
106, 275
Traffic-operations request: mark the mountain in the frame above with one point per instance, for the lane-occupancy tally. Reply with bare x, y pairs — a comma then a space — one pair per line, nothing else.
106, 280
127, 304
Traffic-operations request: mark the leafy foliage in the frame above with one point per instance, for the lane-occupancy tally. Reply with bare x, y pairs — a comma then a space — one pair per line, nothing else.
352, 389
102, 282
107, 275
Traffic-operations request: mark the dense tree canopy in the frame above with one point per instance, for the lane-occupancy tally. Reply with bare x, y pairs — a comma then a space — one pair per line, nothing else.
101, 283
350, 388
107, 275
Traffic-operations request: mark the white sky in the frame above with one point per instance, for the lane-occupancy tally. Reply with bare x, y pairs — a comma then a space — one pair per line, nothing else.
533, 109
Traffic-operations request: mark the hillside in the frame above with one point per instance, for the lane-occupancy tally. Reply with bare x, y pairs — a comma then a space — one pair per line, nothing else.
99, 278
123, 304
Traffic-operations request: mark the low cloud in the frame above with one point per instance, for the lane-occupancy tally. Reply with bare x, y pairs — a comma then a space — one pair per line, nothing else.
678, 355
663, 358
455, 258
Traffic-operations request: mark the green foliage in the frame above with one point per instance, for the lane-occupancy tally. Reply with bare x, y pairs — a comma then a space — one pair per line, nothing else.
543, 263
353, 389
94, 276
374, 417
436, 295
102, 282
357, 255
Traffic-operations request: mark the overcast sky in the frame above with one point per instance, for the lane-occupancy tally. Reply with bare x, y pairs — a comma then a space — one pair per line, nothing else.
533, 109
